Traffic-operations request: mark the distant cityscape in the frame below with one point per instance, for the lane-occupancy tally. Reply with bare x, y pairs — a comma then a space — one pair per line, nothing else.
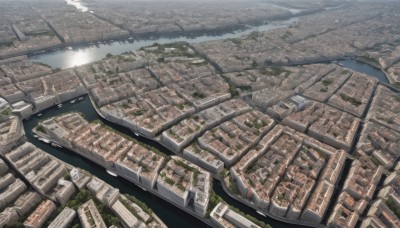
290, 133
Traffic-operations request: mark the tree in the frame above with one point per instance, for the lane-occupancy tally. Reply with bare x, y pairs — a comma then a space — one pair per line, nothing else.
67, 176
41, 128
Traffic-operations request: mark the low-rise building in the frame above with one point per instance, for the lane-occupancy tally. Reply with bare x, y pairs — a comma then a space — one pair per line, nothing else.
127, 218
40, 215
64, 191
222, 216
352, 100
79, 178
11, 192
64, 219
181, 181
22, 109
11, 132
26, 202
89, 216
361, 181
327, 124
8, 217
280, 173
383, 214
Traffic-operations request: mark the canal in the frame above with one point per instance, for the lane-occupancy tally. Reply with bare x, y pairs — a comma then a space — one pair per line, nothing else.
171, 215
65, 58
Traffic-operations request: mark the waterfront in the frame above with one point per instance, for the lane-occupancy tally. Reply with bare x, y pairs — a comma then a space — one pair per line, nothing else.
65, 58
78, 55
362, 67
169, 214
77, 4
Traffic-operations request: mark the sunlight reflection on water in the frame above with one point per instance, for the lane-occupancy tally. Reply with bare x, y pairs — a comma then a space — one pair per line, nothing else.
77, 4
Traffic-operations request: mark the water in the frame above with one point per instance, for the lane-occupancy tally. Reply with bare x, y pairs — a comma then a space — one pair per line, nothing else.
79, 55
292, 10
65, 58
171, 215
362, 67
77, 4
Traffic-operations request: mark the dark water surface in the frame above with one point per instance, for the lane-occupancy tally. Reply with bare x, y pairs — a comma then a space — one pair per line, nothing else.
362, 67
78, 55
171, 215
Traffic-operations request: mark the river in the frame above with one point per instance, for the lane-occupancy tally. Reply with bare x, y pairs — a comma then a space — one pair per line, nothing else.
65, 58
171, 215
68, 57
78, 5
362, 67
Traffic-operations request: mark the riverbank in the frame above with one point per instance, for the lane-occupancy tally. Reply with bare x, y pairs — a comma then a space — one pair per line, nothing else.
153, 190
353, 62
265, 214
87, 104
218, 177
168, 213
237, 30
46, 138
87, 52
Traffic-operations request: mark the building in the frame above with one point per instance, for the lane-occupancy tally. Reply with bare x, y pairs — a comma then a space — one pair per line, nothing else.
3, 104
127, 218
64, 191
181, 181
224, 217
22, 109
12, 191
8, 216
89, 216
64, 219
40, 215
26, 202
79, 178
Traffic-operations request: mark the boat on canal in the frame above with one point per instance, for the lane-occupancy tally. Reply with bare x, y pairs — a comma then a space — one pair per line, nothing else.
112, 173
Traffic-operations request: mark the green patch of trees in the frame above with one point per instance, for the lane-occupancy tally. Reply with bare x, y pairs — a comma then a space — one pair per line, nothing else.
351, 100
41, 128
6, 111
82, 197
233, 90
144, 207
393, 207
198, 95
185, 166
275, 71
327, 81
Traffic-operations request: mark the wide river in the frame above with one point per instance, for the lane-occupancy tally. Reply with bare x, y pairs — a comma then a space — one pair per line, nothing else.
78, 55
